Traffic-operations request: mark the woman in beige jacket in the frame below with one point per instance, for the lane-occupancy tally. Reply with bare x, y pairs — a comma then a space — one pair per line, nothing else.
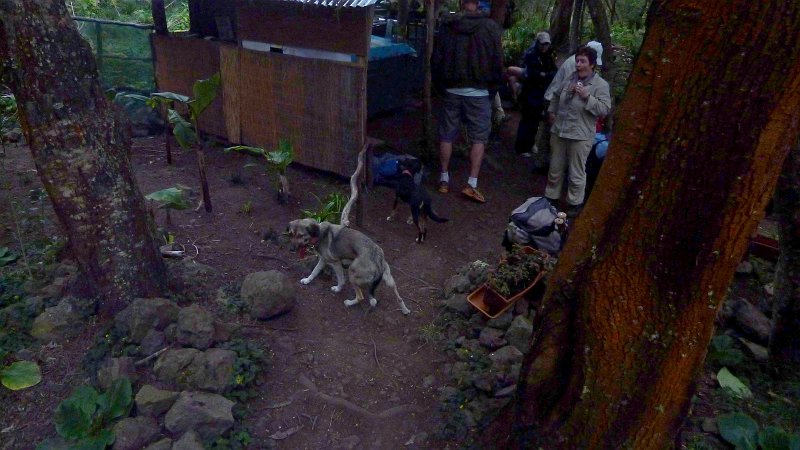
573, 112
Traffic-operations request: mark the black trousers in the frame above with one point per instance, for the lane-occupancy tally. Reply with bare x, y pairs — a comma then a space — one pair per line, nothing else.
528, 126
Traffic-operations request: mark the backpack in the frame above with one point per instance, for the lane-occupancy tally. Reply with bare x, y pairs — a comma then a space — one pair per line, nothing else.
386, 169
532, 223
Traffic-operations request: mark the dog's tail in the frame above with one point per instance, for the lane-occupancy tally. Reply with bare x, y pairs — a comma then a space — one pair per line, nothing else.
429, 211
389, 280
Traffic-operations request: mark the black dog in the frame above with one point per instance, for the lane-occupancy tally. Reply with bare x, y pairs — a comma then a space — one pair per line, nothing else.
417, 198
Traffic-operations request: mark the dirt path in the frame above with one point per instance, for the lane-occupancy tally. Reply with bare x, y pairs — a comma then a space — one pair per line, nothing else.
339, 377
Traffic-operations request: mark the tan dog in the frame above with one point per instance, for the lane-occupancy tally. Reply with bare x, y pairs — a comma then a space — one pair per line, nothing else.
344, 248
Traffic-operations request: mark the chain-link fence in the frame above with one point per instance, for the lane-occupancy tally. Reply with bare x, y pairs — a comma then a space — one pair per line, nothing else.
122, 51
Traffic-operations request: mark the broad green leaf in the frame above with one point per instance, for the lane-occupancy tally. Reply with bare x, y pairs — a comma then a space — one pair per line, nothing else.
728, 381
168, 97
99, 441
72, 421
6, 257
119, 398
204, 92
253, 151
21, 375
182, 129
774, 438
169, 198
738, 429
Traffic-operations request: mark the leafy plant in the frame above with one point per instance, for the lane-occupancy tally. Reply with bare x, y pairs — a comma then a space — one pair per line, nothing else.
247, 207
170, 198
85, 417
20, 375
277, 161
743, 432
8, 117
723, 352
728, 381
6, 257
329, 208
517, 271
251, 359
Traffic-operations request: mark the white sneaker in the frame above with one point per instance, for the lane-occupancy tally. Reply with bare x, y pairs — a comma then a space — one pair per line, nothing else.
526, 154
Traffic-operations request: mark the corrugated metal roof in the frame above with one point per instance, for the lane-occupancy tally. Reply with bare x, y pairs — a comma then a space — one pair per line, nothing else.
337, 3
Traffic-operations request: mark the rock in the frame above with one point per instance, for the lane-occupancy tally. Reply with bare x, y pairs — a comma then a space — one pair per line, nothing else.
188, 275
144, 314
506, 391
484, 381
522, 307
744, 268
502, 322
457, 284
189, 368
153, 402
461, 373
506, 356
759, 353
133, 433
210, 415
348, 443
195, 327
56, 289
428, 381
709, 425
115, 368
86, 307
57, 323
492, 338
268, 294
458, 304
164, 444
747, 318
21, 311
519, 333
222, 331
152, 342
189, 441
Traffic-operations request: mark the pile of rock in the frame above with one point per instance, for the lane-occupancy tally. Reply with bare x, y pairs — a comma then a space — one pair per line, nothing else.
488, 353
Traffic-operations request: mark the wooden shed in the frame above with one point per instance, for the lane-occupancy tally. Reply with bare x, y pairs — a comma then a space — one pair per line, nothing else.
290, 69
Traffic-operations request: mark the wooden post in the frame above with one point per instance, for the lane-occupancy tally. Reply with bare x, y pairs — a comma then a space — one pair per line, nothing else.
159, 16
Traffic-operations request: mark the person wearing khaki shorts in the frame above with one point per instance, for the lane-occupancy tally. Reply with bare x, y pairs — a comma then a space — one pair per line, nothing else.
576, 105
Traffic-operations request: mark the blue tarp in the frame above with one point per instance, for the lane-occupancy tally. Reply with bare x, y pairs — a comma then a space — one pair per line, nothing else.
382, 48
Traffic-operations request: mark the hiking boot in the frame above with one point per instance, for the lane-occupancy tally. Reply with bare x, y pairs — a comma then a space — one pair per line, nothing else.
444, 187
474, 194
574, 210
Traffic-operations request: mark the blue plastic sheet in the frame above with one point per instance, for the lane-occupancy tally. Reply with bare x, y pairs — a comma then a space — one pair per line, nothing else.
382, 48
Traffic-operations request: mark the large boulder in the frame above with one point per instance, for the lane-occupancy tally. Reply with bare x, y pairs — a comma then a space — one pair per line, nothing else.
163, 444
144, 314
268, 294
153, 402
519, 333
57, 322
133, 433
506, 356
195, 327
114, 369
492, 338
189, 368
747, 318
20, 312
458, 304
210, 415
189, 441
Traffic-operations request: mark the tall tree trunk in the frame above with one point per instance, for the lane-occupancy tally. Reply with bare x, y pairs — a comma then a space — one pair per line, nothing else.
402, 18
427, 105
784, 343
498, 11
576, 26
80, 147
629, 310
559, 25
602, 31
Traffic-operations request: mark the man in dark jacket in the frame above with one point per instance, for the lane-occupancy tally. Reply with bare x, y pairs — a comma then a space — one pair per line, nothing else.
536, 73
467, 62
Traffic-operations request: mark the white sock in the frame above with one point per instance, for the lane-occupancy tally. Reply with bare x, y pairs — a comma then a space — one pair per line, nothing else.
444, 177
473, 181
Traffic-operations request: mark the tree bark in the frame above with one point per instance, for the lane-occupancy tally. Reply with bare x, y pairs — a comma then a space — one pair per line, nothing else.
80, 146
498, 11
559, 25
784, 343
402, 18
629, 310
576, 26
602, 31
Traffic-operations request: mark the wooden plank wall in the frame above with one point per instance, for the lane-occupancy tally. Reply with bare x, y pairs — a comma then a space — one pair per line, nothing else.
179, 62
318, 105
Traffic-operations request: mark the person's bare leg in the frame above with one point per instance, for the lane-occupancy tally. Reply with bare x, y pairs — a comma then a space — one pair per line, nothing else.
445, 151
475, 159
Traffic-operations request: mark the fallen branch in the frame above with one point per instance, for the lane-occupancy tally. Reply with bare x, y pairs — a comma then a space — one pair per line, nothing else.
352, 407
375, 353
154, 355
345, 219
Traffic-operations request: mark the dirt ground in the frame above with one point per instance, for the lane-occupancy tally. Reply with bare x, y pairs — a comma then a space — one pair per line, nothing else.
376, 363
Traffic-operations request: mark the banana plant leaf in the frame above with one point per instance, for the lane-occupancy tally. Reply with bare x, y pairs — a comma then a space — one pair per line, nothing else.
204, 91
172, 198
252, 151
182, 129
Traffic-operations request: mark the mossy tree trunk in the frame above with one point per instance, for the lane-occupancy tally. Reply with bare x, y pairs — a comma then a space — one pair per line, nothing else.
709, 116
80, 146
784, 343
559, 25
